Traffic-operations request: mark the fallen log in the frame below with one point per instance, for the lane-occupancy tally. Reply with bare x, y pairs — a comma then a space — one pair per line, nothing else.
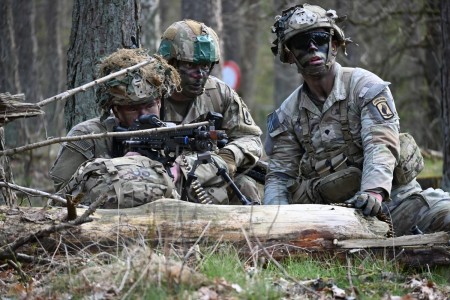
282, 229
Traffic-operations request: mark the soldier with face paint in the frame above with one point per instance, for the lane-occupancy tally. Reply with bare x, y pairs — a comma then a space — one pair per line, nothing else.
193, 49
336, 138
121, 100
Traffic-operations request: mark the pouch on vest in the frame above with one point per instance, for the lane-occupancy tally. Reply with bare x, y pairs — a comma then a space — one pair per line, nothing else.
303, 192
411, 160
127, 181
340, 186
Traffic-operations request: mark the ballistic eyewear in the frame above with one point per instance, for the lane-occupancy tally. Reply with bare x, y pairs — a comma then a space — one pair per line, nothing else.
302, 41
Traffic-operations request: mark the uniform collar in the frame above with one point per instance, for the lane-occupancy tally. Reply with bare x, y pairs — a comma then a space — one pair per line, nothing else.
338, 93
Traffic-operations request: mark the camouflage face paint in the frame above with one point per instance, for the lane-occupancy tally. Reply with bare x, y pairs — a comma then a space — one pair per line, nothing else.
193, 78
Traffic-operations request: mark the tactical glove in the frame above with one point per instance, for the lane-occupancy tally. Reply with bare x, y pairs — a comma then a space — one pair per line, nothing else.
228, 157
367, 202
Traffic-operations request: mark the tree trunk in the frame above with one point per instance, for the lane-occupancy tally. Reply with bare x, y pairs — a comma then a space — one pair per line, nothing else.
445, 86
231, 38
170, 11
251, 22
151, 25
99, 27
282, 230
53, 65
9, 70
210, 13
286, 77
24, 12
6, 194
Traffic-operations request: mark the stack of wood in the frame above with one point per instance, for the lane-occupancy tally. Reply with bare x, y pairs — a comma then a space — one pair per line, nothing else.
13, 107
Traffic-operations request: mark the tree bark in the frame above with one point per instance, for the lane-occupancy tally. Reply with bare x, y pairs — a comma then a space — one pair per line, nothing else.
99, 27
9, 70
210, 13
306, 226
151, 25
445, 101
53, 65
282, 230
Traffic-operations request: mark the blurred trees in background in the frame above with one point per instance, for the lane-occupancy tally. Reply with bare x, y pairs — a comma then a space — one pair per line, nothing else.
445, 88
402, 42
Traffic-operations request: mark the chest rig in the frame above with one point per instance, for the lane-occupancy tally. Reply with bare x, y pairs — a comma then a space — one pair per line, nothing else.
350, 154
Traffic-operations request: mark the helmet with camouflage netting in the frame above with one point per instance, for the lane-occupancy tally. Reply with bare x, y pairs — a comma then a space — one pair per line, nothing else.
302, 18
190, 41
156, 80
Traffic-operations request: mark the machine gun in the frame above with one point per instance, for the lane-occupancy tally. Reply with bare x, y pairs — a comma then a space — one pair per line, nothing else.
168, 145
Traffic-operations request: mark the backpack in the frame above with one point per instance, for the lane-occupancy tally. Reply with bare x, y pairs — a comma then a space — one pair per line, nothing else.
127, 181
410, 162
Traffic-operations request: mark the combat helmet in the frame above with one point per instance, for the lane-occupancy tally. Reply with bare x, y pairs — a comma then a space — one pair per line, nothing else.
156, 80
302, 18
190, 41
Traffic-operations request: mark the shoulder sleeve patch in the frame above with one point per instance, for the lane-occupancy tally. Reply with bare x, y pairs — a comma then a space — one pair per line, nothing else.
247, 117
272, 122
382, 108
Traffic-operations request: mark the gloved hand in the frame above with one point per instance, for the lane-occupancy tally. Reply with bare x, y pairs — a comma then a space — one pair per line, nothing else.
368, 202
228, 157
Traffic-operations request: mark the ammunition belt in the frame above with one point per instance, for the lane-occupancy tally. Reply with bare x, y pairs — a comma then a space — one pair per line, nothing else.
197, 188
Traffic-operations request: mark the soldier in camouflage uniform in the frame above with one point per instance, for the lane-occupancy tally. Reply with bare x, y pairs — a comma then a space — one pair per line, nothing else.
193, 49
127, 96
336, 137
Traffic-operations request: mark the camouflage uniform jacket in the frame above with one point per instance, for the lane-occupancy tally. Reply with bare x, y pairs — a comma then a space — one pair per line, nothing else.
243, 134
372, 122
72, 154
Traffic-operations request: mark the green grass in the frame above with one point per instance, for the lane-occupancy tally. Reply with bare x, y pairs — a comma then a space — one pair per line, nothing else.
432, 168
233, 276
369, 276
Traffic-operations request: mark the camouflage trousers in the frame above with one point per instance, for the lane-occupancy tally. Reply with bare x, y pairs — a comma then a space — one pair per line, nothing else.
429, 210
248, 187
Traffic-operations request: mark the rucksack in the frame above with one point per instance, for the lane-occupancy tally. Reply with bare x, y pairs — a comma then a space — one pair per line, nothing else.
127, 181
410, 162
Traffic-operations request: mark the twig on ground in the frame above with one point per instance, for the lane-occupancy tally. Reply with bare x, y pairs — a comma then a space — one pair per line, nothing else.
12, 247
255, 263
32, 192
349, 275
280, 267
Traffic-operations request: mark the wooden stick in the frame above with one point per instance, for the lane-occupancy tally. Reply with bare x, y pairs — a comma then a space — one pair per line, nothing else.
83, 88
99, 136
33, 192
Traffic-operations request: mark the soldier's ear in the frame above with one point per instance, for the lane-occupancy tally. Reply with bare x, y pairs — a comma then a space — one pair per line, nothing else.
334, 47
114, 110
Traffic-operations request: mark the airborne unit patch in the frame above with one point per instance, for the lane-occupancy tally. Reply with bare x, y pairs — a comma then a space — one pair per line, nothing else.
383, 108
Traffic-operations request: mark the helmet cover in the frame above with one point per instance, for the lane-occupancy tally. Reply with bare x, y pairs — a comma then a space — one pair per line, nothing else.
303, 18
190, 41
156, 80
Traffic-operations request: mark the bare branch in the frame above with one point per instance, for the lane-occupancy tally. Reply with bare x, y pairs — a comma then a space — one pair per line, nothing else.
33, 192
82, 88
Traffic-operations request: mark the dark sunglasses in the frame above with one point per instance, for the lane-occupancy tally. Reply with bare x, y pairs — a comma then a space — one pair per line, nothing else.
302, 41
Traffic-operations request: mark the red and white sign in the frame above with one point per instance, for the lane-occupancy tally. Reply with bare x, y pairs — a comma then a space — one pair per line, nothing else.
231, 74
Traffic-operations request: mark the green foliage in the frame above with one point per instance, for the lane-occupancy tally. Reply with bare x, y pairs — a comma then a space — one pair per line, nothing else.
230, 274
433, 168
